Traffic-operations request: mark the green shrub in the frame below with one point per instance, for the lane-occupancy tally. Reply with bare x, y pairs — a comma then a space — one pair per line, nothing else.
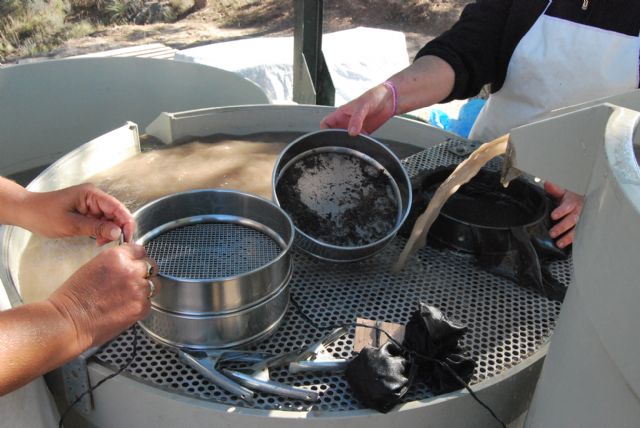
30, 27
11, 7
122, 11
79, 29
87, 4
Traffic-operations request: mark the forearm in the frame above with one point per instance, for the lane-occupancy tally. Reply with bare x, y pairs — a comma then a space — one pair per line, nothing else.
12, 201
427, 81
34, 339
475, 45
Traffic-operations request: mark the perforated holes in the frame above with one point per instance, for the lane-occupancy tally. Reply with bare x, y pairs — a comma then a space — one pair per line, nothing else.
212, 250
507, 323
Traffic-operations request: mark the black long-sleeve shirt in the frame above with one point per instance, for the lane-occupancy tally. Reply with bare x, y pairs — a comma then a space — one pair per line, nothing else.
479, 46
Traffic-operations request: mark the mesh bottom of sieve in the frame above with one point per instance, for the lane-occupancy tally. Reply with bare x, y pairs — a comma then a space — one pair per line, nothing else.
507, 324
211, 250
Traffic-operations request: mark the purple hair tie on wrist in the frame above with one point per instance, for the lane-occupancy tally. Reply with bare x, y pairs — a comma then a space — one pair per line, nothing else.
389, 84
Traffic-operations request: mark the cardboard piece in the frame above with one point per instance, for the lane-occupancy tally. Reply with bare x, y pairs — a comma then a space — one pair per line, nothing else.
371, 337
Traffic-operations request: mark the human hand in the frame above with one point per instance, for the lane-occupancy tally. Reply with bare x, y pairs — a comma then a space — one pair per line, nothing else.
82, 210
107, 295
366, 113
565, 215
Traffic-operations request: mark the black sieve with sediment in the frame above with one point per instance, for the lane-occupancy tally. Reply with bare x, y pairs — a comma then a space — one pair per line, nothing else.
505, 228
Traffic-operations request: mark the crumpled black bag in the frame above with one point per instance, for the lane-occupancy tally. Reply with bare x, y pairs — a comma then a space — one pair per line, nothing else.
441, 380
430, 333
380, 377
485, 219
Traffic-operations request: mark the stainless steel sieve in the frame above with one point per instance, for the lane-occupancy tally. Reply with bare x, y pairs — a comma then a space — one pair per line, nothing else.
224, 267
347, 196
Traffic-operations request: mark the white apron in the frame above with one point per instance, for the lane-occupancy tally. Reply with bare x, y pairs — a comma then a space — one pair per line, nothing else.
558, 63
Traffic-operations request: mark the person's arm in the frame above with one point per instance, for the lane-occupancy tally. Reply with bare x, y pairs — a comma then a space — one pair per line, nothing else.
34, 339
104, 297
82, 210
479, 45
423, 83
455, 65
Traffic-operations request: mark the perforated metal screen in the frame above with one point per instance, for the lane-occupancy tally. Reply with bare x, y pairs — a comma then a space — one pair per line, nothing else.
212, 250
506, 323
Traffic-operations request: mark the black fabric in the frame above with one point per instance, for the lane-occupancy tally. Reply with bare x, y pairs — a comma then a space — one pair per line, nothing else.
620, 16
430, 333
480, 45
527, 259
380, 377
441, 380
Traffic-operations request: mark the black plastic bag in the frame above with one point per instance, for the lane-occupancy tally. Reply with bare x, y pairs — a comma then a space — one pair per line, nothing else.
431, 334
442, 380
380, 377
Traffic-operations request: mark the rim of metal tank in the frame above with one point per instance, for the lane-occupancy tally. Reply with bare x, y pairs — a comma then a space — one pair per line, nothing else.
402, 217
527, 369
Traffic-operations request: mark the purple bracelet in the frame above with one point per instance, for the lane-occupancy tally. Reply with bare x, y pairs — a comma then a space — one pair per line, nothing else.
389, 84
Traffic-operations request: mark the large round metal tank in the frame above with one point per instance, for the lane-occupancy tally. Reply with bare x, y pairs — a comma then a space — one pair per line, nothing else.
130, 401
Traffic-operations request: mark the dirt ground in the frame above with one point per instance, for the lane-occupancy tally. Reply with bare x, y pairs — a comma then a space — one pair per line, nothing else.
420, 20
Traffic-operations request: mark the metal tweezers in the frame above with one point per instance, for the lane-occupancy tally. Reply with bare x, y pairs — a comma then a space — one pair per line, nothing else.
243, 382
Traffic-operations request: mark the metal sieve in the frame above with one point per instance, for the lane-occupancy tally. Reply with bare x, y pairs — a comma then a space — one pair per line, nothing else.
347, 196
224, 266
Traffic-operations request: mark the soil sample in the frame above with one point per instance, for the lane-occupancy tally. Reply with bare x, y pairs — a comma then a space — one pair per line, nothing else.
339, 198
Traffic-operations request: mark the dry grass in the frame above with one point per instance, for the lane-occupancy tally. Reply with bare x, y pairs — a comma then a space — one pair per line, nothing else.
32, 27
